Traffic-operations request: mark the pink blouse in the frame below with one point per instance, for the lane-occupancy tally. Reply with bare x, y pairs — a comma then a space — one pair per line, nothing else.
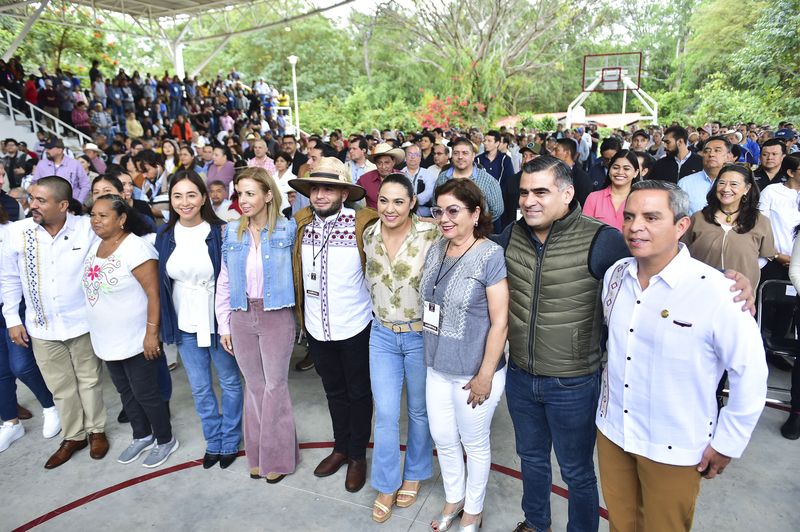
599, 205
254, 269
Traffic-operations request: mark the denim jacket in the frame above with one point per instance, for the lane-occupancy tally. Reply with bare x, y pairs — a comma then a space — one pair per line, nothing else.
277, 263
165, 245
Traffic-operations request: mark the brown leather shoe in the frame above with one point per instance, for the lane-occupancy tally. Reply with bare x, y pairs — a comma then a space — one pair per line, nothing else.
98, 445
356, 474
23, 413
330, 464
65, 452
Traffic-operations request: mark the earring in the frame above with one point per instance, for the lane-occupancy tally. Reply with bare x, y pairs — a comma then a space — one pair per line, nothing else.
476, 223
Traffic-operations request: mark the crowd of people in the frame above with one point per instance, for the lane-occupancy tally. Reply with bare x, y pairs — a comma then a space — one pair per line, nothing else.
581, 276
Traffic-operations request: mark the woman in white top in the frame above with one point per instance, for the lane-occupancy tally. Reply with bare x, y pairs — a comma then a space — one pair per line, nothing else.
283, 165
190, 250
780, 202
120, 280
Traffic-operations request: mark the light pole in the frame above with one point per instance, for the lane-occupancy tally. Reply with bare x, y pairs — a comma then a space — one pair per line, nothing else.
293, 61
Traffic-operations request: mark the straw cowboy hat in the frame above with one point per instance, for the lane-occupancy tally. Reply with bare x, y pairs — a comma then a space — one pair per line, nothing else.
384, 149
329, 171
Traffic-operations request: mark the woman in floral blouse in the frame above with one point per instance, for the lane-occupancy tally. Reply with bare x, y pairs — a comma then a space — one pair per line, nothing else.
395, 247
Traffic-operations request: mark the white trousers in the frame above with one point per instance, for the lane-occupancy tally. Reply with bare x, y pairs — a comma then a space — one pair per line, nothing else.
454, 424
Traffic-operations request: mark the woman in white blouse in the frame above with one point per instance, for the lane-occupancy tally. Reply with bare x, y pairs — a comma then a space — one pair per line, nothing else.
190, 251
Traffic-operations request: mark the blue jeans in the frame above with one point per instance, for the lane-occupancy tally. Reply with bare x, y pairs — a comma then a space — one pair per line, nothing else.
17, 362
222, 429
394, 357
555, 413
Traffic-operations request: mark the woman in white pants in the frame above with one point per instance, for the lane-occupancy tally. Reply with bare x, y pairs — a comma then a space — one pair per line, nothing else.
465, 322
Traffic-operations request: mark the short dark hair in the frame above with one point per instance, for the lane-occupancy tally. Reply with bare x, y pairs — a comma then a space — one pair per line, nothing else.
428, 135
677, 133
494, 134
610, 143
468, 193
217, 183
60, 187
648, 161
285, 156
462, 141
561, 172
678, 198
775, 142
720, 138
569, 145
149, 157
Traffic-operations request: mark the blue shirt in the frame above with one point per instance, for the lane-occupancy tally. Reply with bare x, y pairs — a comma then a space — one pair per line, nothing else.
697, 186
488, 185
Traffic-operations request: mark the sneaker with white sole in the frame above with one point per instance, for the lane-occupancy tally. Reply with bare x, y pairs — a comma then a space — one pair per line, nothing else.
160, 453
135, 450
51, 425
9, 433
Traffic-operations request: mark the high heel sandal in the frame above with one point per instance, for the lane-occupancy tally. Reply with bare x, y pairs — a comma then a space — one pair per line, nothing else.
379, 506
410, 493
445, 521
472, 527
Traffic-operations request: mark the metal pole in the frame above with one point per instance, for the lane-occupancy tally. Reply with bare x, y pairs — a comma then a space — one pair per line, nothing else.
293, 61
624, 98
34, 125
25, 29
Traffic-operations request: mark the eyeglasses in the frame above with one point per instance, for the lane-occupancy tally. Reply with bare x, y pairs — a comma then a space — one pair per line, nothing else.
452, 212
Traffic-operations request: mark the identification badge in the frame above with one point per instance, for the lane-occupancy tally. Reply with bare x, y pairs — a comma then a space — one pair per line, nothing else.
430, 317
312, 284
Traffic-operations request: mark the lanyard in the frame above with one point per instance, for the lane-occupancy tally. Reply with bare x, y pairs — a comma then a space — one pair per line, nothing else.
324, 242
439, 275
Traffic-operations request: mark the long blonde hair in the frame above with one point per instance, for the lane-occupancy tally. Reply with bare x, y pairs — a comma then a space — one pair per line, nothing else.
260, 176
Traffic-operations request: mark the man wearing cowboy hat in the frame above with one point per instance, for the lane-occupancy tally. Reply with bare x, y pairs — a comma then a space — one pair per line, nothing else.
385, 159
92, 151
333, 304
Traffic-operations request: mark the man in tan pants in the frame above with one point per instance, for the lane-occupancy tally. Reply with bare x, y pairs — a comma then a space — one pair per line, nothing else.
673, 329
42, 261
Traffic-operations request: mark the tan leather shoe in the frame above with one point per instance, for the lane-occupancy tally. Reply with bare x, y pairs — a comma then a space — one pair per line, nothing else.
98, 445
330, 464
64, 452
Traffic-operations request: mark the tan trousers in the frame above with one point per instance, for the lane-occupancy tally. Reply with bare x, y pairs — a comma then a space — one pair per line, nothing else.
645, 496
74, 375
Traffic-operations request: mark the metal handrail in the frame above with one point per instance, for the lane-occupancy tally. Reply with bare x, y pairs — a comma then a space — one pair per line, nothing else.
60, 125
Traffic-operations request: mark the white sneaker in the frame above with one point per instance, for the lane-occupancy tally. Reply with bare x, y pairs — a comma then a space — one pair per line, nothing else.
52, 423
9, 433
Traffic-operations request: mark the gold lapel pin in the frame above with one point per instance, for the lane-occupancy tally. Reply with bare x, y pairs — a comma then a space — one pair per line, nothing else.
665, 313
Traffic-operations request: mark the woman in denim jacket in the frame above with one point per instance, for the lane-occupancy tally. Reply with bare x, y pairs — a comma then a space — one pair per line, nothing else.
254, 300
190, 256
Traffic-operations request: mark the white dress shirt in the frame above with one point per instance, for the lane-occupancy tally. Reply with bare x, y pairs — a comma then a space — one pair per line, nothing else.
781, 205
668, 346
47, 272
343, 308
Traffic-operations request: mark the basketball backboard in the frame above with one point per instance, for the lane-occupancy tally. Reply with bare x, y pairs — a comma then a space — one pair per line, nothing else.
606, 72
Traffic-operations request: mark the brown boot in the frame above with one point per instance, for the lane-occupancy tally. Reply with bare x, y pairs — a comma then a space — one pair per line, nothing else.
330, 464
356, 474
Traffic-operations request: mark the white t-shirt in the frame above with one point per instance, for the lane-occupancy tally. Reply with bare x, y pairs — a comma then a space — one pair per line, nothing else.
116, 304
192, 273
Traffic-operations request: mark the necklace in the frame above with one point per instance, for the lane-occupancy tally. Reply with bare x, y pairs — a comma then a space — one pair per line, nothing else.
728, 215
110, 248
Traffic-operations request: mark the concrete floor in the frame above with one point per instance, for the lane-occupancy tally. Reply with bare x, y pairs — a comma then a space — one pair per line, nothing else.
760, 491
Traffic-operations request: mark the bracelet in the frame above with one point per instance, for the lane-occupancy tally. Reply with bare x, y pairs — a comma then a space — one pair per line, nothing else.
153, 324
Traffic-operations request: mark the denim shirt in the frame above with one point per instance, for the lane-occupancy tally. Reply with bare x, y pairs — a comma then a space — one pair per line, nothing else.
165, 245
277, 263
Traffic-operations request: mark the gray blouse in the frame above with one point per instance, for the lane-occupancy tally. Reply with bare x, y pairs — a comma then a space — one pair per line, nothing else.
461, 294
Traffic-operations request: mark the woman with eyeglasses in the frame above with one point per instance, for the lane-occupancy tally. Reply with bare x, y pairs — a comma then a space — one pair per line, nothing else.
730, 232
395, 248
465, 324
